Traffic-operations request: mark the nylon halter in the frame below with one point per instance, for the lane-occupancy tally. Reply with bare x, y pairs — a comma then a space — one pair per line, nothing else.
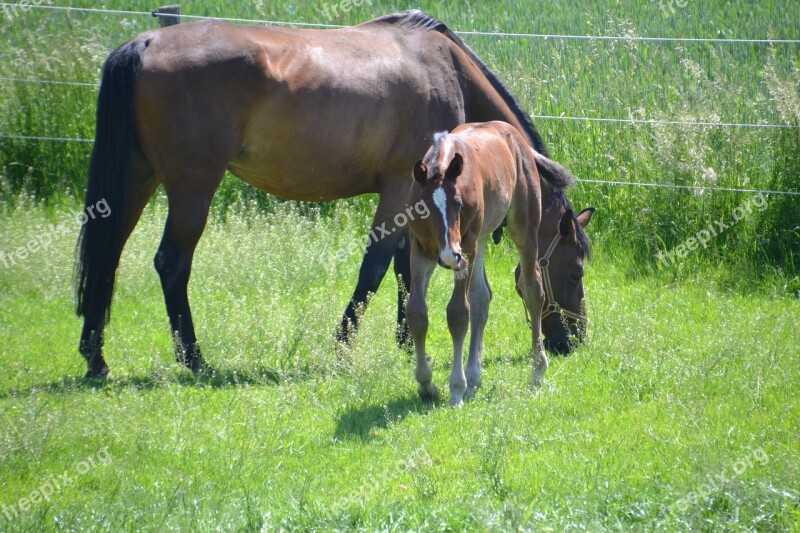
551, 306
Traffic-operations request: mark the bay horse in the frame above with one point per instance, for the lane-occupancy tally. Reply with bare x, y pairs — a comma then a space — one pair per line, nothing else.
473, 179
309, 115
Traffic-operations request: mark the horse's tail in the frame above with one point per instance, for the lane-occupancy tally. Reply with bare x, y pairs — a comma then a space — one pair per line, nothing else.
554, 173
101, 238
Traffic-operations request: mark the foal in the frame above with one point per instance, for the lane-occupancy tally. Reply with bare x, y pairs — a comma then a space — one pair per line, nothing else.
473, 179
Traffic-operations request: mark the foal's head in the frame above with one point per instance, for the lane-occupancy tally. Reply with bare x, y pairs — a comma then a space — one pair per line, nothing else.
451, 204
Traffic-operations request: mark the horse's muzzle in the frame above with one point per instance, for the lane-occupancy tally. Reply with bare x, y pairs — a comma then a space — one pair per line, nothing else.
452, 260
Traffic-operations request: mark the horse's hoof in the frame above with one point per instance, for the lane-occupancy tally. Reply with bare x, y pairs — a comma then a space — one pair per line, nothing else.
456, 402
98, 372
199, 366
429, 392
470, 393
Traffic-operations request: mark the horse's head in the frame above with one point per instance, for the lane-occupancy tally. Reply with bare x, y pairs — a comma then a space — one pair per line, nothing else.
437, 185
561, 257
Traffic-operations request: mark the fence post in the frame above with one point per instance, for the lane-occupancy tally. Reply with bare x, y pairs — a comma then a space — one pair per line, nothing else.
173, 13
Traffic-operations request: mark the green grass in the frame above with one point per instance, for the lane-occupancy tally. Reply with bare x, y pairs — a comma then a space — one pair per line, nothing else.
679, 381
690, 372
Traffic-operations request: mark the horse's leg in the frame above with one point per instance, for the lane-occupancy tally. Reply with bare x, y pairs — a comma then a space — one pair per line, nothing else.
186, 220
382, 241
480, 295
402, 271
417, 315
141, 187
457, 322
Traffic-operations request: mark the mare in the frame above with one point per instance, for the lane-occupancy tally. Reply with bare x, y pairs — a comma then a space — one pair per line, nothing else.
309, 115
473, 179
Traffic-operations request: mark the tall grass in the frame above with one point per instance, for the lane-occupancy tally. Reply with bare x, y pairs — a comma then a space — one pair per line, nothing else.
684, 81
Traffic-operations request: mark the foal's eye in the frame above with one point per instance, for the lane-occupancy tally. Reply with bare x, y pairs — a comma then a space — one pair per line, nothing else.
459, 205
575, 276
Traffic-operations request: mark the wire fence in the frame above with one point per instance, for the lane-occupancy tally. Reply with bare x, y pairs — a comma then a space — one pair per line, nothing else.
629, 121
478, 33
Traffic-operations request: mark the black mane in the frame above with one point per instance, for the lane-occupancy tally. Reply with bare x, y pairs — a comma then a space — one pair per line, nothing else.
553, 173
415, 19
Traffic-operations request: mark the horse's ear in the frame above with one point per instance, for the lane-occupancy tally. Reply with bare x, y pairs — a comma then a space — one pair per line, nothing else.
455, 168
420, 171
567, 224
585, 216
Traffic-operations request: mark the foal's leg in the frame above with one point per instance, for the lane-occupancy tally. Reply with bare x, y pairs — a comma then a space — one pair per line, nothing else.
523, 231
530, 284
480, 295
186, 220
458, 322
417, 315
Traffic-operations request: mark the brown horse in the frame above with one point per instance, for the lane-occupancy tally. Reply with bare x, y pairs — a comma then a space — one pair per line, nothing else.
306, 115
473, 179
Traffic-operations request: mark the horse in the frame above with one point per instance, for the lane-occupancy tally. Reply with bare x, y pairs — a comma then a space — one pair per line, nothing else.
474, 179
303, 114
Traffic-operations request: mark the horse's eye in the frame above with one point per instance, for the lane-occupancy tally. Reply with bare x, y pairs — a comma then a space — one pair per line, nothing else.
459, 205
575, 276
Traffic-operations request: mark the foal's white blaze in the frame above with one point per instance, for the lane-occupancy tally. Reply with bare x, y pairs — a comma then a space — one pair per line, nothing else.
446, 254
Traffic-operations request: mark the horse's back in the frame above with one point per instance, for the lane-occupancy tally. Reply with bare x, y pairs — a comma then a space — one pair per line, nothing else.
338, 107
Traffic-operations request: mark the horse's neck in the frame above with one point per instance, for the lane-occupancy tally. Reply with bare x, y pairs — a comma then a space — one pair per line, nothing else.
552, 210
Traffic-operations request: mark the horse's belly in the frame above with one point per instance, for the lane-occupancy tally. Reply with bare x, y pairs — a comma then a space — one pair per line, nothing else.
305, 181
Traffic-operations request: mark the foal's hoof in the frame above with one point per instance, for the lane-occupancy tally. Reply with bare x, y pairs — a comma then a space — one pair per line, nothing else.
429, 392
456, 402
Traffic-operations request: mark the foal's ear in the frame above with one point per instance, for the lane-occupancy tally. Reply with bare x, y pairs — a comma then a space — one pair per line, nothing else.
420, 171
567, 224
455, 168
585, 216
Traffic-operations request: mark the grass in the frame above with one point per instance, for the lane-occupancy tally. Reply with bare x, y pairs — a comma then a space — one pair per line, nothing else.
680, 382
678, 414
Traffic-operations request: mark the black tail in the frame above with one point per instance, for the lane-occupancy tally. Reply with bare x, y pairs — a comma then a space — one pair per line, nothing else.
554, 173
100, 241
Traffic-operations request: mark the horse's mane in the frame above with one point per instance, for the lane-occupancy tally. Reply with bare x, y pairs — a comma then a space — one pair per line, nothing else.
415, 19
558, 177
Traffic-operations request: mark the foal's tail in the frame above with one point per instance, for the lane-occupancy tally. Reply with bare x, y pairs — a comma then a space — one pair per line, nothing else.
101, 238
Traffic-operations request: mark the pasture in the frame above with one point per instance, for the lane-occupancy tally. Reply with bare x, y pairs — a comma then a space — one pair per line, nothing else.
679, 413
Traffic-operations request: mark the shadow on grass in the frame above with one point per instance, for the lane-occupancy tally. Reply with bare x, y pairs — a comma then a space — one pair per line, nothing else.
158, 379
360, 422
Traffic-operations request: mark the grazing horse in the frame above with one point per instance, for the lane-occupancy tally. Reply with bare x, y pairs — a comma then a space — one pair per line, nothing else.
310, 115
473, 179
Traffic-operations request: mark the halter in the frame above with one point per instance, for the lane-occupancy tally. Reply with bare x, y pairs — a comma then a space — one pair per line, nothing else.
553, 307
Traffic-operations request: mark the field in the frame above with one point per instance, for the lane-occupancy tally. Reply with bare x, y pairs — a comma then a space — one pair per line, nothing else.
679, 413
